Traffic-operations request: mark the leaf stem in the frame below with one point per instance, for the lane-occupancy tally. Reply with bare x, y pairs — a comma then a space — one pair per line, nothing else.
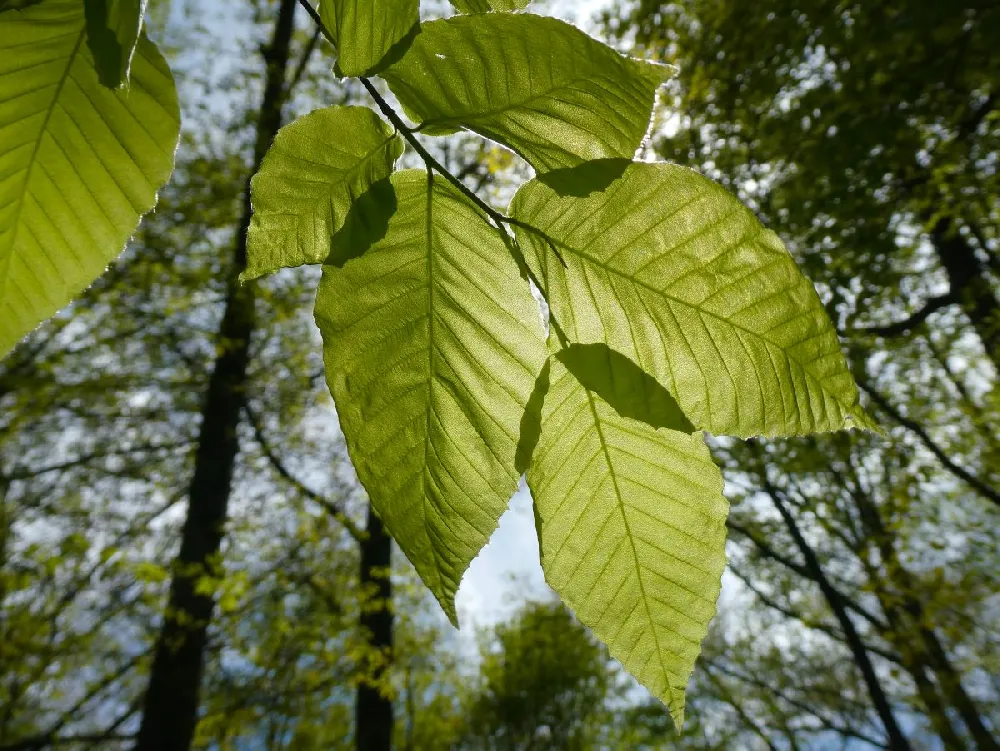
500, 220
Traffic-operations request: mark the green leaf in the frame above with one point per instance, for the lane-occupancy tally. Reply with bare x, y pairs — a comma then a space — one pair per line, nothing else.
366, 32
308, 181
632, 531
79, 164
673, 272
629, 390
484, 6
538, 85
113, 28
432, 342
17, 4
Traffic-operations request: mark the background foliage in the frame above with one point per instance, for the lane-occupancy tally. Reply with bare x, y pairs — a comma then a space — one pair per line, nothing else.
865, 136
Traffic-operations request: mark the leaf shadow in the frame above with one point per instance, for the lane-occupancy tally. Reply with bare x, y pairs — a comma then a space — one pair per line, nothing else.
392, 56
531, 421
630, 390
104, 46
586, 178
366, 223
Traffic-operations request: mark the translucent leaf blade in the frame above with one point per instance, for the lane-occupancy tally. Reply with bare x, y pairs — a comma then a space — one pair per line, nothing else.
308, 181
79, 163
624, 386
485, 6
538, 85
432, 343
632, 527
113, 28
672, 271
367, 31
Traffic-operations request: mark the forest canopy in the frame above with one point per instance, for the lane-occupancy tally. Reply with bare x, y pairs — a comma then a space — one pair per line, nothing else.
709, 289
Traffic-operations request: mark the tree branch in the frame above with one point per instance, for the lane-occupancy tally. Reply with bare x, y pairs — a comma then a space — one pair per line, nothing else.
933, 305
960, 472
332, 507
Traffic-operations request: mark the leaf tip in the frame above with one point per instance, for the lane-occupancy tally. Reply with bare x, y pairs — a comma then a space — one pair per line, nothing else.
858, 419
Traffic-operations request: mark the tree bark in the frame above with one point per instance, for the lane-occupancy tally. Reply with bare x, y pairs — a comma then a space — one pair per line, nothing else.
970, 284
170, 710
373, 710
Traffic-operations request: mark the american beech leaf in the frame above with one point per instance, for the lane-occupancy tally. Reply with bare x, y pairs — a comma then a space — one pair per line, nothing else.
366, 32
669, 269
113, 28
432, 343
631, 523
312, 174
485, 6
537, 85
79, 163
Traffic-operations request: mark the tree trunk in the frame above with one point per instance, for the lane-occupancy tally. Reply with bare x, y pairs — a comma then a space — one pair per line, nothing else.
170, 710
373, 711
969, 281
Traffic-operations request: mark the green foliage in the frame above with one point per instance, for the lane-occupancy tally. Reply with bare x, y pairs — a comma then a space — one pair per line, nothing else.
543, 683
672, 271
365, 31
79, 164
305, 187
431, 371
632, 530
484, 6
538, 85
113, 28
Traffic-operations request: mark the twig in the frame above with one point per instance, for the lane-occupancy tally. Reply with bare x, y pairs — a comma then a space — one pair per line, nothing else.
329, 505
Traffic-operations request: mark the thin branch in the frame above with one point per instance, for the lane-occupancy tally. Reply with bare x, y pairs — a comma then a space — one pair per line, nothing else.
790, 613
300, 69
963, 474
500, 220
896, 737
802, 706
332, 507
765, 550
933, 305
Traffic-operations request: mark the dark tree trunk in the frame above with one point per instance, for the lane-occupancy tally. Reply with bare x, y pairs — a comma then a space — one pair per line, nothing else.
970, 284
373, 711
170, 710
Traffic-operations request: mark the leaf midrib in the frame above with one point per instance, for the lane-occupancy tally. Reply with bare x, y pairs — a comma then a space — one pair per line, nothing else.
426, 481
667, 296
628, 533
32, 160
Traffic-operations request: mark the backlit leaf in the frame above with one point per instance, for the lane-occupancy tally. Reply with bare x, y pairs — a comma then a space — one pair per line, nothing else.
632, 530
307, 183
79, 163
538, 85
367, 31
113, 28
432, 342
673, 272
484, 6
624, 385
